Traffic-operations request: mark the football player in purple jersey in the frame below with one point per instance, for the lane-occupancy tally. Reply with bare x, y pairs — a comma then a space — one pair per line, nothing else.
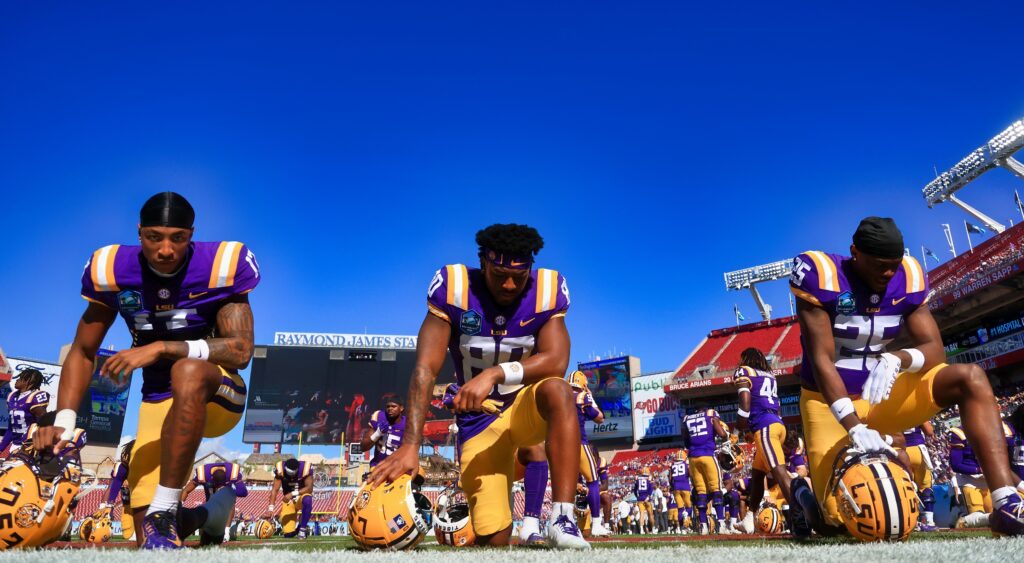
920, 464
857, 390
186, 305
504, 326
25, 405
385, 430
759, 412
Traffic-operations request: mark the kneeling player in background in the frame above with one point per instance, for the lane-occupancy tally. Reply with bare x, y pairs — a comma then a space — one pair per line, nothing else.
294, 479
223, 479
921, 470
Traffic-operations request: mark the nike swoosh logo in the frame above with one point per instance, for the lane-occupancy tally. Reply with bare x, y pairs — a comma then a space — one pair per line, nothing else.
898, 301
524, 323
194, 295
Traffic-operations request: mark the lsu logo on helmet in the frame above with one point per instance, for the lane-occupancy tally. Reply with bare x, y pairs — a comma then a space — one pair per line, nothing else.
876, 497
578, 380
390, 517
452, 525
264, 529
769, 520
37, 496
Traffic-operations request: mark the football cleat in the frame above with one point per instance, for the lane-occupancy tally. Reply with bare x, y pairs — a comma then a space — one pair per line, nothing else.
1008, 520
564, 534
161, 531
390, 516
303, 532
923, 527
748, 522
703, 529
533, 539
875, 495
597, 529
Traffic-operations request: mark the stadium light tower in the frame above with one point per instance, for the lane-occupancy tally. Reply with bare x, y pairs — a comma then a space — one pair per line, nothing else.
748, 278
997, 152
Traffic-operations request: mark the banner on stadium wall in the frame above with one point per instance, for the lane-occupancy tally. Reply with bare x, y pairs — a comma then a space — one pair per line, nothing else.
997, 275
609, 383
333, 340
655, 414
672, 387
102, 410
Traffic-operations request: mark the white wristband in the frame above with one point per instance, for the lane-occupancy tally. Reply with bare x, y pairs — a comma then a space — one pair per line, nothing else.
513, 373
198, 349
376, 435
271, 507
66, 419
841, 408
742, 413
916, 360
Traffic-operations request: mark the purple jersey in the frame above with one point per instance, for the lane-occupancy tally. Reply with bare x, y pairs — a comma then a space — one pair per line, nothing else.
586, 410
699, 432
914, 436
961, 454
764, 396
796, 459
642, 488
602, 470
863, 322
183, 306
204, 476
680, 475
119, 484
19, 407
390, 439
289, 484
485, 334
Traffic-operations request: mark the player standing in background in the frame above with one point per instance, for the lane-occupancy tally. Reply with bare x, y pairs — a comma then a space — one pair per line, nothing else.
921, 469
587, 410
294, 479
606, 496
25, 405
732, 502
679, 476
186, 305
759, 412
119, 486
699, 432
857, 392
1016, 421
643, 488
385, 432
504, 325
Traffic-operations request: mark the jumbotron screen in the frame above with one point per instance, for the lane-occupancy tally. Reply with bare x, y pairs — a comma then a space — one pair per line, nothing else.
609, 383
327, 394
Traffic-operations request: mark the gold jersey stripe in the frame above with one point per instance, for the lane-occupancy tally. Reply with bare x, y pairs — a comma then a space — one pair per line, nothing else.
102, 268
828, 278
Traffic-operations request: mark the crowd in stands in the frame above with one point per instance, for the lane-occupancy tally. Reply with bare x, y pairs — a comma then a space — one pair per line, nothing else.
970, 268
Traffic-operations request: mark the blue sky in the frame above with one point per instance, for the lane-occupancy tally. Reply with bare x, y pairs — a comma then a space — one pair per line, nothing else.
357, 148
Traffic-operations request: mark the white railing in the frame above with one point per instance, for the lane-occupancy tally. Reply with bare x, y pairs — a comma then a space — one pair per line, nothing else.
988, 350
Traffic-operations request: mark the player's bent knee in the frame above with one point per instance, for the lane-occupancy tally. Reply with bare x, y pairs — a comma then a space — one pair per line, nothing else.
192, 375
554, 393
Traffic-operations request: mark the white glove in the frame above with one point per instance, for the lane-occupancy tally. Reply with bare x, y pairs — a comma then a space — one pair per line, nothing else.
879, 382
868, 440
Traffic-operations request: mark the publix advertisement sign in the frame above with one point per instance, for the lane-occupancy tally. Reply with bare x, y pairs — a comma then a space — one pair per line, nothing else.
656, 416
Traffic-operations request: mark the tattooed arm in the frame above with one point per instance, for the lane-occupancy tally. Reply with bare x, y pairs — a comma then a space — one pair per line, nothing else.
232, 348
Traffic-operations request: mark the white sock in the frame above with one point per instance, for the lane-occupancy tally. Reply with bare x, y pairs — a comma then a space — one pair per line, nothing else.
531, 525
566, 509
1001, 495
164, 499
929, 518
596, 521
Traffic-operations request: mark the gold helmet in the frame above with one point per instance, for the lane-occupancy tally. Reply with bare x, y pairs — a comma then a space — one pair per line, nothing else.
578, 380
876, 497
645, 471
727, 458
37, 494
95, 529
389, 516
680, 455
264, 529
769, 520
452, 525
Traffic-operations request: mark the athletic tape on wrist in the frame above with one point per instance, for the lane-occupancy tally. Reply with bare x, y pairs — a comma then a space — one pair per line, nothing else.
513, 373
742, 413
916, 360
66, 419
376, 435
842, 408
